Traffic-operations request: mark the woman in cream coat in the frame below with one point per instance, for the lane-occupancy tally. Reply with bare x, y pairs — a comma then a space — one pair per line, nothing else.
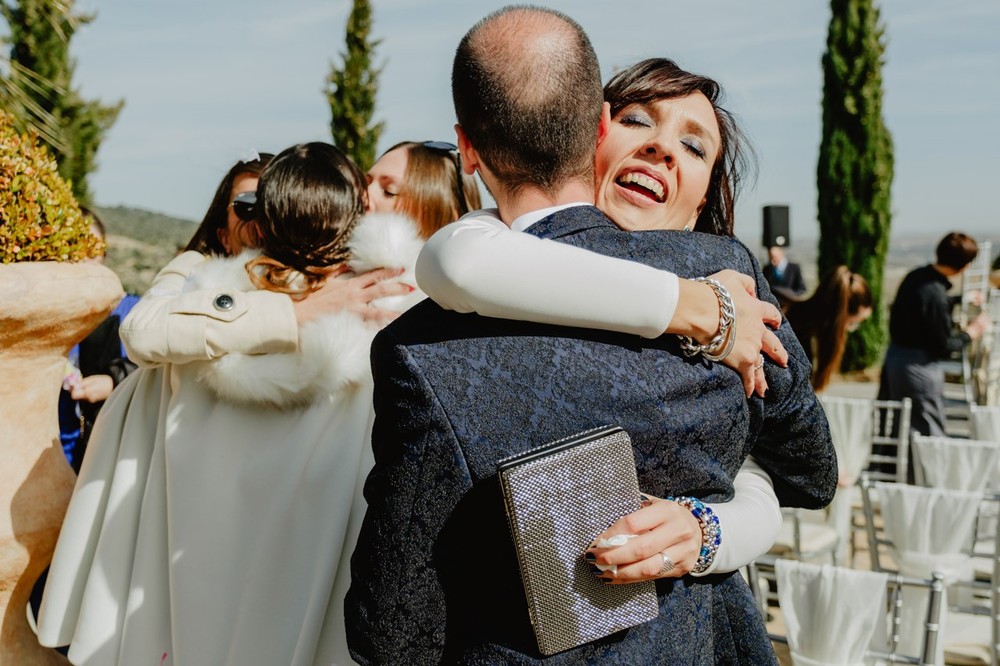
217, 507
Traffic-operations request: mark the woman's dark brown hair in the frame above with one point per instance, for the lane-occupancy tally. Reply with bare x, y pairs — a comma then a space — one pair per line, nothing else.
206, 236
822, 317
659, 78
310, 198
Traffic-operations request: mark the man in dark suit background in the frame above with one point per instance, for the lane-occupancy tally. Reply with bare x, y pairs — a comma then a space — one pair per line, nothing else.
434, 575
784, 276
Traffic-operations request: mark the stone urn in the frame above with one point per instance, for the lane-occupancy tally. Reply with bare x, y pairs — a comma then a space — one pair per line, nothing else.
45, 308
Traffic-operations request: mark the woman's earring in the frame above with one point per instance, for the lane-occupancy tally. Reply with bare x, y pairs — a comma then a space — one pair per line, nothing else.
687, 227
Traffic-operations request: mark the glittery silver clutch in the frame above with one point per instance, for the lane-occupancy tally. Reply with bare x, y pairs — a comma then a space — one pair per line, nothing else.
559, 497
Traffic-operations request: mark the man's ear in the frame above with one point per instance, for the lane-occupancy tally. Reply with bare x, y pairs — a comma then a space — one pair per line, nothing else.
605, 126
470, 158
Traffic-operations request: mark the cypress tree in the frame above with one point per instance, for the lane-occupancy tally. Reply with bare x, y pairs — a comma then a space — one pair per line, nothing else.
40, 33
854, 173
352, 88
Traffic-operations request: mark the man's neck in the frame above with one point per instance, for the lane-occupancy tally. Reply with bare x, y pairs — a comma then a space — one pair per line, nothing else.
530, 199
946, 271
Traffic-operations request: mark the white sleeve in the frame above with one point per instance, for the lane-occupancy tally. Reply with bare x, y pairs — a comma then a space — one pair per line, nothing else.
480, 265
749, 522
168, 326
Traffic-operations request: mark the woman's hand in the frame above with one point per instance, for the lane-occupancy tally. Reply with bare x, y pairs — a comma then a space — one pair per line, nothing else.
661, 528
753, 337
353, 295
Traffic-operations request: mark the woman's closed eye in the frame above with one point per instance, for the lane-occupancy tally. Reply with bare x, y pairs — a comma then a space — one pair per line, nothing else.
635, 120
694, 146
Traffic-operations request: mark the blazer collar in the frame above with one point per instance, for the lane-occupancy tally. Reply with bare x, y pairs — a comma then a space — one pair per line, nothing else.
570, 221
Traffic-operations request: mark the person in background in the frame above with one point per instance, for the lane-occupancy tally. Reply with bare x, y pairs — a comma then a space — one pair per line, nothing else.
922, 333
169, 327
95, 367
224, 493
821, 322
223, 231
424, 181
179, 324
784, 276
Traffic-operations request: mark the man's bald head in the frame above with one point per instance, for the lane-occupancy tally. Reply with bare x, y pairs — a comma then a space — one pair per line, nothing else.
527, 92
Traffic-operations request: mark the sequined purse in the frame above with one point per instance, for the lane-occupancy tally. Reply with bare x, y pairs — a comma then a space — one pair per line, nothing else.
558, 498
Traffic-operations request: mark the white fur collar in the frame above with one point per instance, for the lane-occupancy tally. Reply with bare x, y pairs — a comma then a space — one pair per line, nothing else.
333, 352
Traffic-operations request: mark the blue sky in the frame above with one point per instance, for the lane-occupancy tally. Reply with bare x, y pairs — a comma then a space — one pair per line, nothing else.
205, 83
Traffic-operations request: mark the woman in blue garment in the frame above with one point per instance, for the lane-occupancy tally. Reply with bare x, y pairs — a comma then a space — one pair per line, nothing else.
95, 367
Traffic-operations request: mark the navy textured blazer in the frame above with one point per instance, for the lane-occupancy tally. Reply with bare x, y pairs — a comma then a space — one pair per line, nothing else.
434, 575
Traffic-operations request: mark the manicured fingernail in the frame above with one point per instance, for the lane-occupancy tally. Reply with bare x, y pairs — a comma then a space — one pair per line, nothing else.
644, 498
590, 557
607, 581
412, 289
594, 569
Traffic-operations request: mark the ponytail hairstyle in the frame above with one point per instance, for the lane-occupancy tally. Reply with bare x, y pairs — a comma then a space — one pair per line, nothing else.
310, 198
823, 317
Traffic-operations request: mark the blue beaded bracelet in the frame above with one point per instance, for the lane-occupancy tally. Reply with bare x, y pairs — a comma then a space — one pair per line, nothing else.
711, 533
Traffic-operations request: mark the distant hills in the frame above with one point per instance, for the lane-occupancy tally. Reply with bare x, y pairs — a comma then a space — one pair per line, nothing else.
141, 242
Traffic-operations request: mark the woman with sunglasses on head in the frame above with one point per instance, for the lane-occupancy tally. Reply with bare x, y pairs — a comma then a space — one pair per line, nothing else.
821, 322
164, 328
423, 181
671, 159
216, 512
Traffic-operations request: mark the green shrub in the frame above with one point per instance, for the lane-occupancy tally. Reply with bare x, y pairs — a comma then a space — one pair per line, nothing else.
39, 218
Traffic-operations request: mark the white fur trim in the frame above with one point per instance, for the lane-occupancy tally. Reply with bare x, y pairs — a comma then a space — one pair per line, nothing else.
388, 240
332, 356
333, 352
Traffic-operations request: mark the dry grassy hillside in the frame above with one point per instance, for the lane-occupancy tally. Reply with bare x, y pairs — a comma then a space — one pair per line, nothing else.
140, 243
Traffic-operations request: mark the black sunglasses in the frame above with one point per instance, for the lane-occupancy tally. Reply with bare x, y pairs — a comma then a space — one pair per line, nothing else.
245, 206
451, 150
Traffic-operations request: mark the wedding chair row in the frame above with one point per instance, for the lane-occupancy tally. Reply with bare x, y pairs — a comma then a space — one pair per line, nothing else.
867, 434
833, 615
924, 530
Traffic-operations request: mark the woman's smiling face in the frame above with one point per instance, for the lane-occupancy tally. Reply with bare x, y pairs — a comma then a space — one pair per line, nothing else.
655, 163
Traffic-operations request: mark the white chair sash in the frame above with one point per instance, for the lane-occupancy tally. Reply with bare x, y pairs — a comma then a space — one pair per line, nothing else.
929, 529
985, 422
830, 613
850, 429
958, 464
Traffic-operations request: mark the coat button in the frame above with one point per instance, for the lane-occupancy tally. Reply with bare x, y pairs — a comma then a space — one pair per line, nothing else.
224, 303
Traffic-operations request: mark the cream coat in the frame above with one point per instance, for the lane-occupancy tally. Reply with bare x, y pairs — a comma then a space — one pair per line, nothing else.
220, 499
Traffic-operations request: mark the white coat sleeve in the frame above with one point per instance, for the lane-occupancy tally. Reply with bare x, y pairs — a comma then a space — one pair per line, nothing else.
749, 522
168, 326
480, 265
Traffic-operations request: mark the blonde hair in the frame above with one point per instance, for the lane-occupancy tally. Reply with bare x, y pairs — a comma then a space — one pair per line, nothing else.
429, 194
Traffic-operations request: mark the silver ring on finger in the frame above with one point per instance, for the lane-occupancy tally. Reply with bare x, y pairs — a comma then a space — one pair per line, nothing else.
668, 565
760, 363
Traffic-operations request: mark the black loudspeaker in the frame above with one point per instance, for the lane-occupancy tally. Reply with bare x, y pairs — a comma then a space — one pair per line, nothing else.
776, 226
